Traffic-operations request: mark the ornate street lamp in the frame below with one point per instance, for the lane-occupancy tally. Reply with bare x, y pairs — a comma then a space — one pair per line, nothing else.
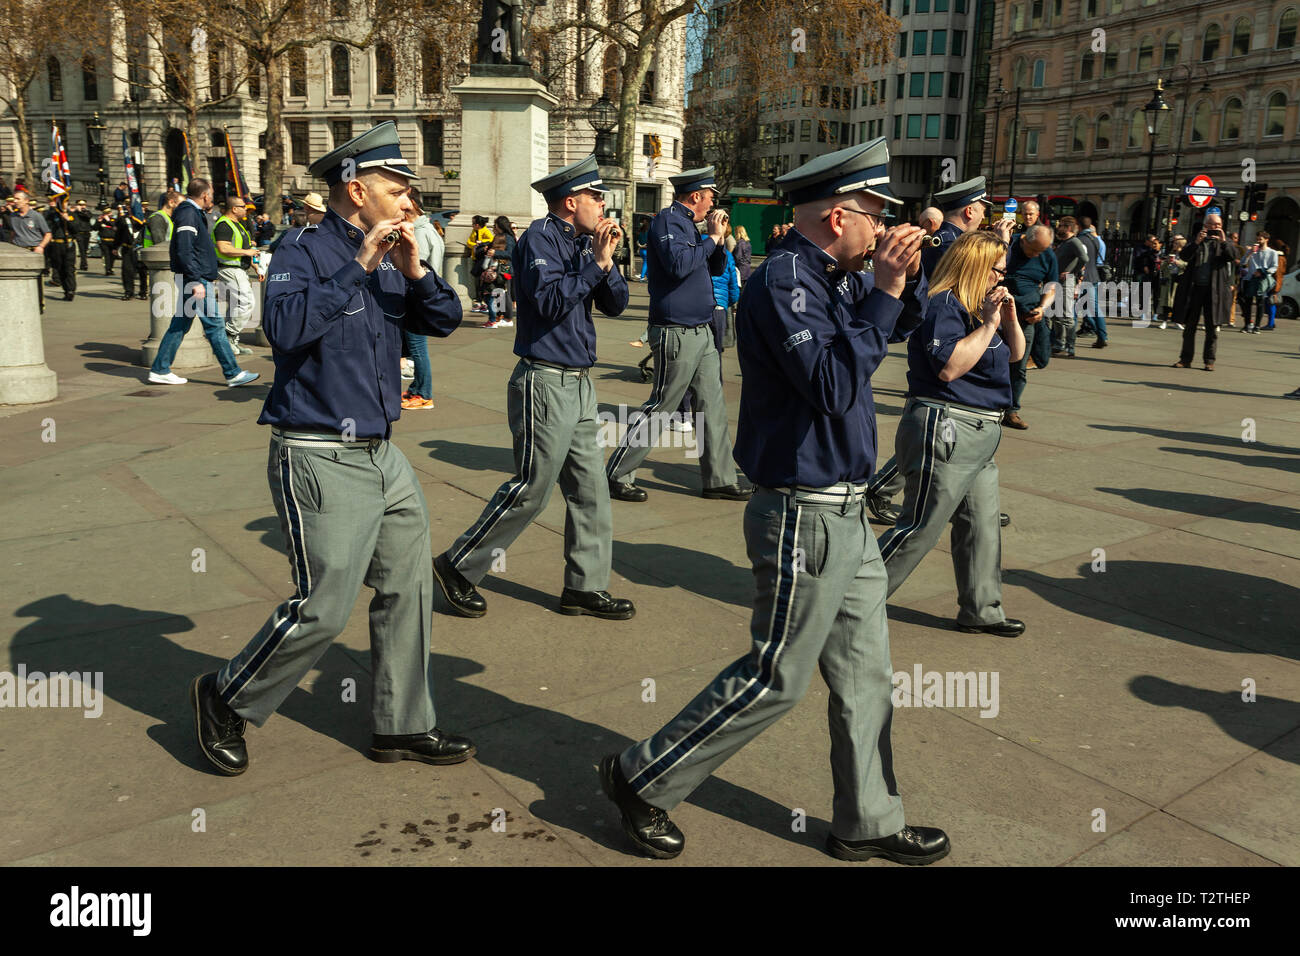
97, 129
603, 117
1153, 110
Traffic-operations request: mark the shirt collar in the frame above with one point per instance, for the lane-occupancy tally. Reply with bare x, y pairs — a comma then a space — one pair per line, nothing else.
683, 210
336, 224
822, 263
567, 230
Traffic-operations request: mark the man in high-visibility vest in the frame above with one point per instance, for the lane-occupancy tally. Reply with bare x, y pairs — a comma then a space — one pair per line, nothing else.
159, 231
235, 252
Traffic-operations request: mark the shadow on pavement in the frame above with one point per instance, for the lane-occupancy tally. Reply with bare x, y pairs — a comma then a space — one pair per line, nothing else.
1186, 388
1256, 723
473, 457
113, 351
1198, 438
1211, 506
1254, 461
666, 566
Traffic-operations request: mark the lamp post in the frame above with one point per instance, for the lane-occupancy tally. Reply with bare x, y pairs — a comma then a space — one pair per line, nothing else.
1190, 73
1153, 110
139, 138
97, 129
997, 114
1015, 137
603, 117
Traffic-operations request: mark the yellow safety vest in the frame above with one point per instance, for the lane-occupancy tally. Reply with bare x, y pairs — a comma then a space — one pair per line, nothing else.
241, 240
148, 233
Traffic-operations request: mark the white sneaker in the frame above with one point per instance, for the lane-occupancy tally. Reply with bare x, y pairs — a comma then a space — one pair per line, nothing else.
506, 324
1164, 325
243, 378
171, 378
408, 368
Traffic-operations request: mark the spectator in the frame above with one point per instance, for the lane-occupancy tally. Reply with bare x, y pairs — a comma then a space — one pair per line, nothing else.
744, 255
1260, 269
1031, 213
930, 219
286, 209
30, 231
236, 251
5, 191
1206, 289
504, 228
479, 239
1276, 298
1094, 323
642, 240
1171, 267
1030, 276
159, 225
419, 394
1071, 263
121, 194
494, 285
315, 207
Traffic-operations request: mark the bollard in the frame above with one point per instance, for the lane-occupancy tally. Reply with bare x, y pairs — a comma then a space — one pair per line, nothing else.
25, 379
195, 352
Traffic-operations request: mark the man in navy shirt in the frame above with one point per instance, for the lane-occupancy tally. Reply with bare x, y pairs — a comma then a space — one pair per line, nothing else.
350, 504
682, 263
1031, 278
562, 265
807, 436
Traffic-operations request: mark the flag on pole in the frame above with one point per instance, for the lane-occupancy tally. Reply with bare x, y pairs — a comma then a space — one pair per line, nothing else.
235, 185
60, 177
136, 209
187, 171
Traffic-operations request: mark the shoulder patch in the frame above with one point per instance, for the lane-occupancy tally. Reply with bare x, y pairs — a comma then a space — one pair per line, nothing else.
803, 335
279, 277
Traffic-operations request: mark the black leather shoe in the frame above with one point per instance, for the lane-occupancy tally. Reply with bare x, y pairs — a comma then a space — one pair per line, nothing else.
220, 729
1008, 628
621, 491
436, 746
1004, 519
728, 493
125, 298
911, 846
597, 604
460, 594
884, 510
646, 826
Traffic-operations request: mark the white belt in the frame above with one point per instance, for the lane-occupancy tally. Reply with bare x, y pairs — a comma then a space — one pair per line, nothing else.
298, 439
967, 411
845, 492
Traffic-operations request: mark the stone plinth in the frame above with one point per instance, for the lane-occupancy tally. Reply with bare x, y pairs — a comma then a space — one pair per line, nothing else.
25, 379
195, 352
506, 146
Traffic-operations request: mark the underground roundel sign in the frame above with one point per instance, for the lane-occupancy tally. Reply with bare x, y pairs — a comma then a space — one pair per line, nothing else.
1199, 191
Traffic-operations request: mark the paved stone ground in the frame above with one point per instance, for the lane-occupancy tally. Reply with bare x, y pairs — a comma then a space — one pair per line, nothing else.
1125, 695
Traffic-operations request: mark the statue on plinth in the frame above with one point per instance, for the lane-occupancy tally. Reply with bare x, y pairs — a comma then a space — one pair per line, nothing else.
504, 22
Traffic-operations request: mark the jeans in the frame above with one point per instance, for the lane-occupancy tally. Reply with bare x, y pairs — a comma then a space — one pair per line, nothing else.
213, 328
1037, 341
645, 264
422, 384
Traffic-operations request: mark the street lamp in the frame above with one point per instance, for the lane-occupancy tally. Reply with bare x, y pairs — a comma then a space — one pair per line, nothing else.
997, 113
139, 139
1015, 137
97, 129
603, 117
1153, 110
1190, 73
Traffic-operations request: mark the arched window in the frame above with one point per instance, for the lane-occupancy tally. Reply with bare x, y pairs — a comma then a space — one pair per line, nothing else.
611, 73
1085, 64
1137, 127
1040, 74
1274, 114
1286, 28
1146, 55
340, 71
1173, 47
1210, 45
1019, 74
1077, 135
1201, 122
385, 69
297, 72
1240, 37
431, 68
54, 73
1103, 131
89, 79
216, 138
1231, 127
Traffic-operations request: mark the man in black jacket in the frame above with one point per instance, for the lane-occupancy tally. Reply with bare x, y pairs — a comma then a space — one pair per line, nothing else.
194, 263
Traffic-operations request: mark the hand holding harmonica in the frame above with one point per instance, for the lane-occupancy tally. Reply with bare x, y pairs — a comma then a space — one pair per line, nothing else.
604, 241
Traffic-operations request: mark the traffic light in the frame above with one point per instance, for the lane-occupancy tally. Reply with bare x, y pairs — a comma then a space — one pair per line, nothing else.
1255, 193
655, 146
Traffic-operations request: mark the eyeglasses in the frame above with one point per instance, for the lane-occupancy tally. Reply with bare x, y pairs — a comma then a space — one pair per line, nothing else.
880, 219
1001, 272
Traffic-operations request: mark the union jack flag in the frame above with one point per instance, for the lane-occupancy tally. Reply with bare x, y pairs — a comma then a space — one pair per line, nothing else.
60, 176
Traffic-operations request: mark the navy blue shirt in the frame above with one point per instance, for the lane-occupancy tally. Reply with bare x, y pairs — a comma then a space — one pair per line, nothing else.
192, 254
335, 331
681, 263
1026, 276
946, 322
556, 280
809, 337
930, 255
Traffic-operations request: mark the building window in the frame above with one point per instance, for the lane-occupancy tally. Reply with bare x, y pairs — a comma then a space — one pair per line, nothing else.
835, 97
922, 6
821, 131
1173, 46
1017, 18
54, 74
1085, 65
939, 43
1076, 135
1286, 28
916, 86
254, 81
1040, 74
1210, 45
431, 134
1146, 55
340, 71
1031, 142
648, 88
341, 130
898, 126
940, 6
953, 124
914, 127
1201, 123
862, 131
807, 96
1241, 37
385, 70
1103, 132
297, 72
918, 43
932, 126
958, 42
936, 85
954, 85
1137, 126
902, 43
1231, 127
898, 88
834, 134
824, 97
431, 68
1273, 116
1110, 65
1019, 73
299, 143
89, 79
94, 146
805, 130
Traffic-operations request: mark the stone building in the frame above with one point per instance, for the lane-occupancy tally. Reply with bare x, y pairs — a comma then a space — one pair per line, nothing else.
332, 92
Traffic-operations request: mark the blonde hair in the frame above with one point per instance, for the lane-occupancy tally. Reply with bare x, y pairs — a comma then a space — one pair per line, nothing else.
964, 268
742, 234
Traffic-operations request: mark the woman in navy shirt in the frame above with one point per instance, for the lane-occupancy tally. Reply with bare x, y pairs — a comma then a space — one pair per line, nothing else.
959, 384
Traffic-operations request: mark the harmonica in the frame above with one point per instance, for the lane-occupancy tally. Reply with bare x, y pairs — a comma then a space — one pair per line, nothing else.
393, 236
935, 241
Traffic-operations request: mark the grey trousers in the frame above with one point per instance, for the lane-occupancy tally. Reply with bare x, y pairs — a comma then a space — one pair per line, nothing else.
820, 603
887, 482
557, 439
350, 514
947, 463
684, 358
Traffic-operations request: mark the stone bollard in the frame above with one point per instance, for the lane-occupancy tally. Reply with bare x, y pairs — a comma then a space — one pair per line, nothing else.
195, 352
25, 379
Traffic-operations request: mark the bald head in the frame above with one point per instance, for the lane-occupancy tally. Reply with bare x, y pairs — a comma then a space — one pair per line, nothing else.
930, 220
1036, 240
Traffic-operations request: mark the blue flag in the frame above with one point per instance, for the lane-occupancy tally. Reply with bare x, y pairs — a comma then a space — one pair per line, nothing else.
136, 209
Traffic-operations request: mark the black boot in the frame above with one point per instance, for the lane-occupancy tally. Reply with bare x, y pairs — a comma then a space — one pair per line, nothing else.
597, 604
460, 594
646, 826
436, 747
220, 729
911, 846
